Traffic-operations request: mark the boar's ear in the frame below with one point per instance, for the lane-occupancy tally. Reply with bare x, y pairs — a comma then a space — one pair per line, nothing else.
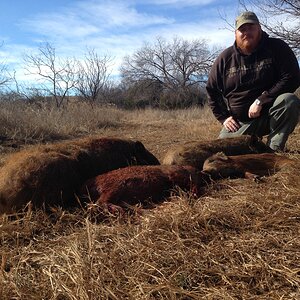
254, 139
139, 147
257, 145
222, 156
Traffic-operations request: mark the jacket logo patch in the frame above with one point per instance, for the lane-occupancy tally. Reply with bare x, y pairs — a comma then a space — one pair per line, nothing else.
253, 68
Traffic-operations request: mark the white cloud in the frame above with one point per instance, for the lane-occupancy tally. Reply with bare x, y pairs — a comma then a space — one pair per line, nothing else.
90, 18
120, 13
55, 25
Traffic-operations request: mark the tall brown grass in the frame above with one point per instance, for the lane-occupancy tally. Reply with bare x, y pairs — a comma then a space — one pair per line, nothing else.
46, 122
240, 240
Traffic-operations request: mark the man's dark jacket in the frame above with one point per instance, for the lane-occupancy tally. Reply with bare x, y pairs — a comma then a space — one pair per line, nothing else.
236, 80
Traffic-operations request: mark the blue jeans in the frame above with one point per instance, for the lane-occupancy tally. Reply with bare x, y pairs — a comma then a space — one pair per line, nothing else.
280, 122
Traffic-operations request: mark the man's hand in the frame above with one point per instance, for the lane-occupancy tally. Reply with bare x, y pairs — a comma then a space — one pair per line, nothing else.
254, 110
231, 124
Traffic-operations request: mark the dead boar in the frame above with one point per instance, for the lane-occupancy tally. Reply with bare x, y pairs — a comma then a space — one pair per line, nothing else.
50, 175
142, 185
245, 166
194, 153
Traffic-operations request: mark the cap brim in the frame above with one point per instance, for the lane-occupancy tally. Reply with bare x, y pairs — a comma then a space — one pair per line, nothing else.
238, 25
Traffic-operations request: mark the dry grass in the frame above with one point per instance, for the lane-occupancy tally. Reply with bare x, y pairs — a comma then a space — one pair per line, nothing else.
43, 123
240, 240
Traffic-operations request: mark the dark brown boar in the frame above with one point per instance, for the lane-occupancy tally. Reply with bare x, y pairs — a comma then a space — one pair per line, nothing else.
99, 155
194, 153
50, 175
245, 166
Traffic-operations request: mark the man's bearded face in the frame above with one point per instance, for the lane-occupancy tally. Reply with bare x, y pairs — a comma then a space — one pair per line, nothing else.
247, 37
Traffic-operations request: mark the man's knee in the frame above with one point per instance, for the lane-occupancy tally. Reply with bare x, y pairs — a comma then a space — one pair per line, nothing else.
286, 107
289, 100
225, 134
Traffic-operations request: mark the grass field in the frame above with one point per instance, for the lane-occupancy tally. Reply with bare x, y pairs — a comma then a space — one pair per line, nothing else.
240, 240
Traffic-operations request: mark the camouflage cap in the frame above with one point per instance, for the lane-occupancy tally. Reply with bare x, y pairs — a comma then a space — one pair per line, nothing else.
246, 17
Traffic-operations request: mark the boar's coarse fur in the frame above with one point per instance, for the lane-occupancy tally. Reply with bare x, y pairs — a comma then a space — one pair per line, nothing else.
194, 153
49, 175
141, 185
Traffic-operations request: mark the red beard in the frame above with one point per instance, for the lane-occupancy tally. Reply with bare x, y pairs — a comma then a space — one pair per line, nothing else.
248, 44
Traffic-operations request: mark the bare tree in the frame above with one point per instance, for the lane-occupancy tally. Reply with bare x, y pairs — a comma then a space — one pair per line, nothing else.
4, 74
176, 65
56, 75
93, 76
4, 79
288, 10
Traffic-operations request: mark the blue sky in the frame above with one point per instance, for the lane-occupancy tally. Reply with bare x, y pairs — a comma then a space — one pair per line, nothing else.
115, 28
